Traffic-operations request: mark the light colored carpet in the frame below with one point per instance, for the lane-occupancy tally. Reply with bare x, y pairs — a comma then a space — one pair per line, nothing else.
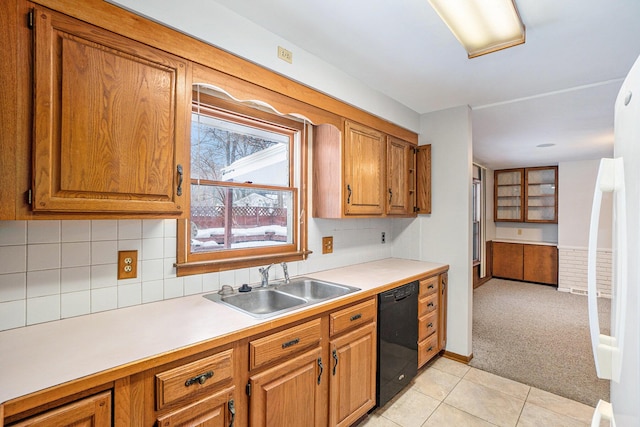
538, 336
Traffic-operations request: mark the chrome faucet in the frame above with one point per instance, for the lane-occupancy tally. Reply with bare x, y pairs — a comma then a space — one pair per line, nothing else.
285, 271
264, 272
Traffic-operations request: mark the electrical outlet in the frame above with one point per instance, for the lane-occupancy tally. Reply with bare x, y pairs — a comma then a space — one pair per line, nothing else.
127, 264
383, 238
285, 55
327, 245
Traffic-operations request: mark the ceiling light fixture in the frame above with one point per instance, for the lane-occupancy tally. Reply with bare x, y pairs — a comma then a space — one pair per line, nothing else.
482, 26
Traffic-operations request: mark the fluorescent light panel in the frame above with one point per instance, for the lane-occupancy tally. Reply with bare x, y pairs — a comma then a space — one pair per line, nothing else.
482, 26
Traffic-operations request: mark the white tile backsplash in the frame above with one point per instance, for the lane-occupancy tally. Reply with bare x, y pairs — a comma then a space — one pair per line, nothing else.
76, 254
75, 279
13, 314
72, 265
43, 256
104, 252
75, 304
43, 309
13, 233
104, 230
129, 229
43, 232
43, 282
104, 299
13, 286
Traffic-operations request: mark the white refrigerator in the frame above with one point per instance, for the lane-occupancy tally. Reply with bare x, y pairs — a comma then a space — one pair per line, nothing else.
617, 355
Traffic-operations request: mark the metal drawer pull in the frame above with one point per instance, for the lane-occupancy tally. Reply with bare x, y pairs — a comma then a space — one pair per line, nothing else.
232, 410
349, 196
200, 379
321, 369
180, 174
430, 325
335, 357
429, 349
430, 304
430, 287
356, 316
290, 343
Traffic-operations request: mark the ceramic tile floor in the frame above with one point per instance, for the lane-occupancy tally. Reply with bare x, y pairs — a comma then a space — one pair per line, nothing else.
448, 393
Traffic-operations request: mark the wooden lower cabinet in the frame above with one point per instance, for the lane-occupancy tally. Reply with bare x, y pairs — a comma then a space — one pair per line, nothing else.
432, 317
94, 411
531, 263
352, 390
290, 393
217, 410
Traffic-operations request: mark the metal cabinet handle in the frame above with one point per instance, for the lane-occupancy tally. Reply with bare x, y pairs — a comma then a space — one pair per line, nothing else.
390, 195
430, 304
335, 357
200, 379
290, 343
321, 369
430, 325
232, 410
430, 286
355, 317
180, 177
348, 194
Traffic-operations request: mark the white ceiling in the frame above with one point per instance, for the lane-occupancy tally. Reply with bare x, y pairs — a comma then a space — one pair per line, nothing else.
557, 88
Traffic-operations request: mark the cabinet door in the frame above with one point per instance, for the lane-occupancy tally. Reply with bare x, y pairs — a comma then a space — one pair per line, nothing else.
541, 199
94, 411
364, 165
217, 410
289, 394
423, 179
399, 174
352, 390
442, 314
110, 122
508, 259
509, 195
541, 264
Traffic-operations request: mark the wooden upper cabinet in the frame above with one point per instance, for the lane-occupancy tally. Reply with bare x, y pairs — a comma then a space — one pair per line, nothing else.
364, 165
423, 179
111, 122
400, 173
526, 194
363, 172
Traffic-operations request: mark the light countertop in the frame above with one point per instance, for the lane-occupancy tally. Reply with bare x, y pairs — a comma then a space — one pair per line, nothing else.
525, 242
40, 356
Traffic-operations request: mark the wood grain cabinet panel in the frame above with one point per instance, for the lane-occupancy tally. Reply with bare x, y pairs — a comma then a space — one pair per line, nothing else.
508, 260
432, 317
531, 263
94, 411
400, 177
111, 120
217, 410
352, 389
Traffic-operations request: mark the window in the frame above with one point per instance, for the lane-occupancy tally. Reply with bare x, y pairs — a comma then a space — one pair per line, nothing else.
246, 187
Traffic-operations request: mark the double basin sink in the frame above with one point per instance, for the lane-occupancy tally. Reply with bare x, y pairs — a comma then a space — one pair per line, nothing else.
263, 302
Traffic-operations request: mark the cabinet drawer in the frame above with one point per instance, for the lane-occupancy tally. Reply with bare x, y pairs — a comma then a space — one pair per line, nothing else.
284, 343
427, 349
427, 325
192, 378
351, 317
429, 286
427, 304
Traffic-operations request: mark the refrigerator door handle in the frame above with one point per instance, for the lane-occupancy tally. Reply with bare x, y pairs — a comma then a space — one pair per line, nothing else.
607, 350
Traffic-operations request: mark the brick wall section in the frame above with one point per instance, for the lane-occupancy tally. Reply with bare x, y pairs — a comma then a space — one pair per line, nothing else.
572, 271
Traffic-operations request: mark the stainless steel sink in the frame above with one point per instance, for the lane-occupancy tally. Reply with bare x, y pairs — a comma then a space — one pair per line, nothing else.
281, 297
314, 290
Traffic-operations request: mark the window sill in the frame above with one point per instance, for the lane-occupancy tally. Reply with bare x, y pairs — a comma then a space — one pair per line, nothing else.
201, 267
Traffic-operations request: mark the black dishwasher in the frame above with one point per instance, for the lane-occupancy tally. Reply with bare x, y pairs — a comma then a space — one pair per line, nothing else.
397, 340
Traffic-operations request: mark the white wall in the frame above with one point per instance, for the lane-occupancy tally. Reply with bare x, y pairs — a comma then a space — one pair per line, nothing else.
221, 27
445, 235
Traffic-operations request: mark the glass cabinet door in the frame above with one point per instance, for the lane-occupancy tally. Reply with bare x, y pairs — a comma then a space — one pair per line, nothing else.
542, 194
509, 196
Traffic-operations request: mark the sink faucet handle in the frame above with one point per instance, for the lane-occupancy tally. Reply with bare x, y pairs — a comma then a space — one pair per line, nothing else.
285, 270
264, 272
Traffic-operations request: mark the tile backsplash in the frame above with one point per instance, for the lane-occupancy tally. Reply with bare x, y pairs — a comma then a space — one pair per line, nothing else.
51, 270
